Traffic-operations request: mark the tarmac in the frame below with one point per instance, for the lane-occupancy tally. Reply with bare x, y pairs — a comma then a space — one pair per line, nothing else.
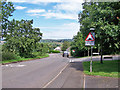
73, 77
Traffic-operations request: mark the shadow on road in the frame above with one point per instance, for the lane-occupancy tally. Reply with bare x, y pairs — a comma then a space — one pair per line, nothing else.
77, 65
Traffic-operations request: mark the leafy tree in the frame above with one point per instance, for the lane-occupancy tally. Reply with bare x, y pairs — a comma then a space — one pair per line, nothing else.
78, 45
22, 38
65, 45
6, 11
104, 17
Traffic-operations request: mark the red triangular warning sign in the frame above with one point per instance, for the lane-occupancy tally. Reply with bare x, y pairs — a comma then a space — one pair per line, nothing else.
90, 37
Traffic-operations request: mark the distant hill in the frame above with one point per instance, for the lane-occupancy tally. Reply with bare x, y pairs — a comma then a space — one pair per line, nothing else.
55, 40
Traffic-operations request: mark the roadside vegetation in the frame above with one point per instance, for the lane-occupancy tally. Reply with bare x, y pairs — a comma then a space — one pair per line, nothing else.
108, 69
104, 17
23, 59
54, 51
65, 45
22, 41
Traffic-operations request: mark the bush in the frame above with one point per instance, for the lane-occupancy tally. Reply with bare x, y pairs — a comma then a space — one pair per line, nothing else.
37, 54
9, 56
54, 51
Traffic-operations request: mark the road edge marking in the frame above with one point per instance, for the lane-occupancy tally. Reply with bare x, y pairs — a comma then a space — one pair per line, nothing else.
55, 77
84, 82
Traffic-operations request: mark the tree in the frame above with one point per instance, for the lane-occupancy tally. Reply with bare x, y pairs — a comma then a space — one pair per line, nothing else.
65, 45
6, 11
22, 38
78, 45
104, 17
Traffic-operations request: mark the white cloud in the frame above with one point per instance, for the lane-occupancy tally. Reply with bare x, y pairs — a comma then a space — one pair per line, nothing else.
59, 15
20, 7
71, 7
34, 1
19, 1
65, 9
36, 11
63, 31
44, 1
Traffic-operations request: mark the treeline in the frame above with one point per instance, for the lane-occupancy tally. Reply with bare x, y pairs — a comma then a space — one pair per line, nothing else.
56, 40
104, 17
22, 40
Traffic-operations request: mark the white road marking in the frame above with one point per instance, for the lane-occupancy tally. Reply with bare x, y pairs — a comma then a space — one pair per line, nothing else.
71, 60
84, 82
12, 65
55, 77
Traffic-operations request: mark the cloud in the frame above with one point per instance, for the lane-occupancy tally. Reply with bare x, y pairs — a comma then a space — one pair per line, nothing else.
44, 1
59, 15
64, 9
63, 31
71, 7
36, 11
20, 7
17, 1
34, 1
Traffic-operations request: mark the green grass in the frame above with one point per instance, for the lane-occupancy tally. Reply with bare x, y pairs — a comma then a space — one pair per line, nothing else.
24, 59
108, 68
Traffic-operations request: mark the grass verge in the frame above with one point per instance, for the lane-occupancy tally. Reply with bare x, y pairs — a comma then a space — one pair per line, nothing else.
23, 59
108, 68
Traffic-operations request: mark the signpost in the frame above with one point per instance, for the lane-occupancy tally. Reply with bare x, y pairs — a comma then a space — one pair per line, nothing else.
73, 50
90, 41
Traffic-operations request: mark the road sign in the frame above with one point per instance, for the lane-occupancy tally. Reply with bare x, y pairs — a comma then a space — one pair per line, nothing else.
90, 37
90, 41
73, 50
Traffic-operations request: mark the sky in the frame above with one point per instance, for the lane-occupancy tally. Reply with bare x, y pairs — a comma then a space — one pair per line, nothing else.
57, 19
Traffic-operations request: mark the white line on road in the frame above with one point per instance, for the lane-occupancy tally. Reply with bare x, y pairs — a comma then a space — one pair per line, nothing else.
12, 65
55, 77
84, 82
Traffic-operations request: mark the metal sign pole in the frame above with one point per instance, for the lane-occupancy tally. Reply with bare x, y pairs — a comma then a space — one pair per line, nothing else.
91, 60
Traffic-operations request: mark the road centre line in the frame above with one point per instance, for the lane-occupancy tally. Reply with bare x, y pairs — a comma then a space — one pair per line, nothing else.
55, 77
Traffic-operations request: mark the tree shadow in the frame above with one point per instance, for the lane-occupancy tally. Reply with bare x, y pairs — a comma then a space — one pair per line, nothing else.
77, 65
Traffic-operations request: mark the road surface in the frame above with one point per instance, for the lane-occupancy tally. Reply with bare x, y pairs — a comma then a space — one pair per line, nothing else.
53, 72
33, 74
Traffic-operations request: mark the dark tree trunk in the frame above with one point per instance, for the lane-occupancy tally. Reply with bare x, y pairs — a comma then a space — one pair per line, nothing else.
101, 61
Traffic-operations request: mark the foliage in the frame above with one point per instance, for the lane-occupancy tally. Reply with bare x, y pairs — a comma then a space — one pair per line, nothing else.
78, 45
65, 45
22, 38
7, 10
104, 18
9, 56
52, 46
24, 59
54, 51
55, 40
41, 48
102, 69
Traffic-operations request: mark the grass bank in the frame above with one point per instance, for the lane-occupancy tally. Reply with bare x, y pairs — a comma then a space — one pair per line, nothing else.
23, 59
108, 68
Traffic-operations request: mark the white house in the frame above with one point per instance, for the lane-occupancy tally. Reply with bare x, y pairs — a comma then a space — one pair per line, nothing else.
58, 48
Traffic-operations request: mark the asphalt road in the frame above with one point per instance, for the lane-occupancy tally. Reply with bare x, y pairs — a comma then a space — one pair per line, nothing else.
54, 72
33, 74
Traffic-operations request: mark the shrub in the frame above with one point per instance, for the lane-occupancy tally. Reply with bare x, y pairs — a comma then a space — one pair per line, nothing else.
9, 56
54, 51
37, 54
